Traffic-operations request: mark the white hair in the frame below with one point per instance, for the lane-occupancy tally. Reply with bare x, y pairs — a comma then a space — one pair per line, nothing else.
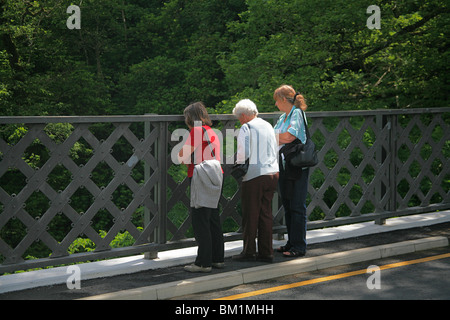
247, 107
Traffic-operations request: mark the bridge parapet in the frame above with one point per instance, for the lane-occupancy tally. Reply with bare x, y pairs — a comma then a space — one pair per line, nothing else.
100, 180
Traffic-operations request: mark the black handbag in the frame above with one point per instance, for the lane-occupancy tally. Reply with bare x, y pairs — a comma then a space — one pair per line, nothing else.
240, 169
307, 156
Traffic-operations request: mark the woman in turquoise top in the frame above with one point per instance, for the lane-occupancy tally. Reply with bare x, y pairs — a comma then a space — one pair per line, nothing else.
293, 191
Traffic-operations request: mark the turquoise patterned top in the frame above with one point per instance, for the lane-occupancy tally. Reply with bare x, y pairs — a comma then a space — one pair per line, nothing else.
294, 124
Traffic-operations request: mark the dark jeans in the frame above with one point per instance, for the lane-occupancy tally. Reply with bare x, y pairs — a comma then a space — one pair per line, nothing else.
295, 210
209, 236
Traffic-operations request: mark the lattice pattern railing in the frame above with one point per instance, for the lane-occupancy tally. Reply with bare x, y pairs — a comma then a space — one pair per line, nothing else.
368, 140
15, 205
63, 179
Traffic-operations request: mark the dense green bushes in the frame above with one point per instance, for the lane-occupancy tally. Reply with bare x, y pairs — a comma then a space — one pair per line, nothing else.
135, 57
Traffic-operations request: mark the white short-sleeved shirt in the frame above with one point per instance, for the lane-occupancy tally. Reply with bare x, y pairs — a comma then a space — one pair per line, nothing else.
258, 144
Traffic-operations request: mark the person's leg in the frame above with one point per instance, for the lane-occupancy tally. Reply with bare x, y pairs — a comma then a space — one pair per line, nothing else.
216, 237
200, 224
286, 205
298, 218
265, 223
250, 211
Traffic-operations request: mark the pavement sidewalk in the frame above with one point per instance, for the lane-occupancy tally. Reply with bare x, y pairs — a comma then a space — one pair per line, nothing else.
117, 278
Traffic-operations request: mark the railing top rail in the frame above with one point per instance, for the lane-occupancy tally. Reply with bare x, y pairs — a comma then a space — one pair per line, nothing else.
166, 118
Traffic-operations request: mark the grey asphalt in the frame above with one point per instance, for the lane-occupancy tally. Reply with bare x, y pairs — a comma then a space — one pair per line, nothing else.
418, 281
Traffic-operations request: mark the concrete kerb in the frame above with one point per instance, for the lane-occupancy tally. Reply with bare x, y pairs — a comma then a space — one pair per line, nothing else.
270, 271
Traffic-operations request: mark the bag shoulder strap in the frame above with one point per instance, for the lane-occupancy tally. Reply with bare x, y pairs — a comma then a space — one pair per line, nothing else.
250, 138
306, 125
209, 143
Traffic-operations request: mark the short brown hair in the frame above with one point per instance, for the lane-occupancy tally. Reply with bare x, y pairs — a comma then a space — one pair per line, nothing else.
196, 112
288, 92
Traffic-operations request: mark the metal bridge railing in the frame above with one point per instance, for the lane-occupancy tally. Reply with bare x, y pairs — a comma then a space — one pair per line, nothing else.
89, 180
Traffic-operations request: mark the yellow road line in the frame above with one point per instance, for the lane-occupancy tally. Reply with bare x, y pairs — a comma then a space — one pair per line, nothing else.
329, 278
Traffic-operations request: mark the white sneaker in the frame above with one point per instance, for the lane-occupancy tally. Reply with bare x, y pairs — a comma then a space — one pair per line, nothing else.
195, 268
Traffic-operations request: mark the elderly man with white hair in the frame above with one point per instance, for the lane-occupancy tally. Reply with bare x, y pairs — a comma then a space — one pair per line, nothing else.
258, 144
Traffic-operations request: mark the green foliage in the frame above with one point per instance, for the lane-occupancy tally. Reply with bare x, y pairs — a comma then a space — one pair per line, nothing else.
122, 239
324, 50
134, 57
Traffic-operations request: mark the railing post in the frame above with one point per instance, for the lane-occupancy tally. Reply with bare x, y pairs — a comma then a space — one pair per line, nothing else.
147, 214
387, 154
275, 206
381, 156
392, 165
162, 149
160, 190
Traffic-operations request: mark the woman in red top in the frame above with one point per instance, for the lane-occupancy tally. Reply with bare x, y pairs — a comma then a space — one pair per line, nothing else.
205, 221
197, 119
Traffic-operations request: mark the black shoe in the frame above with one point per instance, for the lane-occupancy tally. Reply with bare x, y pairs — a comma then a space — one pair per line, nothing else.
218, 265
284, 248
293, 254
242, 257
